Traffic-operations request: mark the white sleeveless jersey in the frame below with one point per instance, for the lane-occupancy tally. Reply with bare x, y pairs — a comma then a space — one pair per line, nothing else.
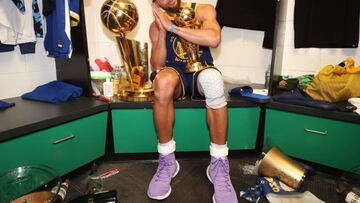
16, 27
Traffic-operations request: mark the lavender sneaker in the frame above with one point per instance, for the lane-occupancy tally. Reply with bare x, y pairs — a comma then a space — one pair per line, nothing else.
159, 187
218, 174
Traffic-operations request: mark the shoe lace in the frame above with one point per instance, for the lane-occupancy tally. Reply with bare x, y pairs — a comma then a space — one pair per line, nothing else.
163, 172
222, 176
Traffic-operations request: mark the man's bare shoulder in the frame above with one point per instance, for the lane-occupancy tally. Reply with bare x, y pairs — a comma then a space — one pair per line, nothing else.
205, 10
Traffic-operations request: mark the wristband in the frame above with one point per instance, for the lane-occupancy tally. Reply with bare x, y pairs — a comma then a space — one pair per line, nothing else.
171, 30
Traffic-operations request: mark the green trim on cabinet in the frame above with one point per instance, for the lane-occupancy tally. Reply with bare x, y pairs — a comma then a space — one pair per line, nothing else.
134, 130
83, 141
329, 142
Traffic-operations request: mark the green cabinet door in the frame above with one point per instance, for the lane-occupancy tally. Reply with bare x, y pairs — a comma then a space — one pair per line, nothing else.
329, 142
64, 147
134, 130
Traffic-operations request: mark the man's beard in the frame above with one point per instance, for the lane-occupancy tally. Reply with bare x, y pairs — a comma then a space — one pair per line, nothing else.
174, 9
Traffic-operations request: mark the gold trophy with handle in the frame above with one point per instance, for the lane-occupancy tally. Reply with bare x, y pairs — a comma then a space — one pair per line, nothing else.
121, 17
186, 18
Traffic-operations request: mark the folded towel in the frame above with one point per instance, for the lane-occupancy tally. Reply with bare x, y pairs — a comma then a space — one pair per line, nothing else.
246, 92
5, 105
299, 97
54, 92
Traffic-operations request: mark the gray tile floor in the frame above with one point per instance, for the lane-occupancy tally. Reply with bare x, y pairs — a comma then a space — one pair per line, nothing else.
190, 185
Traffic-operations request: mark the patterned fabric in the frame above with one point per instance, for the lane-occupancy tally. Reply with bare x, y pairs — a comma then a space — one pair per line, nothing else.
20, 5
37, 19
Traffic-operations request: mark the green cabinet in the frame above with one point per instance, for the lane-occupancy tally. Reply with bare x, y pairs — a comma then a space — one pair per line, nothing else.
329, 142
134, 130
64, 147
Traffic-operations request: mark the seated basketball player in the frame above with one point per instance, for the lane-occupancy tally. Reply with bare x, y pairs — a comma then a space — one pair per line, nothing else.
171, 82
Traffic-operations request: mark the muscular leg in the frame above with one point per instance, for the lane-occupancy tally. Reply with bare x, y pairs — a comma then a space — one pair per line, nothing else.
211, 85
217, 120
167, 87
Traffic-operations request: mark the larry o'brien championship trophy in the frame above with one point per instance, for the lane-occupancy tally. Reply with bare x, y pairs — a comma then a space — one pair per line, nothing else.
121, 17
186, 18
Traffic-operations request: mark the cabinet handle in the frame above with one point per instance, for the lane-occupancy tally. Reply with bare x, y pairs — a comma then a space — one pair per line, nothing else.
64, 139
316, 131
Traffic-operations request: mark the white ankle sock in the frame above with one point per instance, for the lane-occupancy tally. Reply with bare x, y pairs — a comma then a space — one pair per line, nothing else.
167, 148
218, 151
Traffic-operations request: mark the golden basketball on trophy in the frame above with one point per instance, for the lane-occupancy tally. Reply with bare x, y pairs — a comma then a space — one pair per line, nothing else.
121, 17
186, 18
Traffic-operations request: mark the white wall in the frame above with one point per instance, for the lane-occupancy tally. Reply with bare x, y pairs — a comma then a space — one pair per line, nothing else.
240, 55
22, 73
295, 62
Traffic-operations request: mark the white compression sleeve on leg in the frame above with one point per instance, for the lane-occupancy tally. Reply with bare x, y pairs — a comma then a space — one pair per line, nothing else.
211, 85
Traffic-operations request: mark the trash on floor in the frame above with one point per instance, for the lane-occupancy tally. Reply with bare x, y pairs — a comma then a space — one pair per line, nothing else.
249, 169
103, 197
277, 164
276, 192
94, 182
110, 173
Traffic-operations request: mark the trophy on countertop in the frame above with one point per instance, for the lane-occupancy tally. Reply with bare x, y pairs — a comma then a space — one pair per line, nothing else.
121, 17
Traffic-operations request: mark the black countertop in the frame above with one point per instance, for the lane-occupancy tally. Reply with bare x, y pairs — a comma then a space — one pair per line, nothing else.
187, 103
29, 116
337, 115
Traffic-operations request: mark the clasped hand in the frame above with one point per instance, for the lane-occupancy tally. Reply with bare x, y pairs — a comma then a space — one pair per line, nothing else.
161, 19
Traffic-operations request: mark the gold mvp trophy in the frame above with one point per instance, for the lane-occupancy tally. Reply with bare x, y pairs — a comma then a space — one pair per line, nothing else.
186, 18
121, 17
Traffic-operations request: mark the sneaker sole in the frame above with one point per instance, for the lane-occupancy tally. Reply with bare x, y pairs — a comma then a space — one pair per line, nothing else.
208, 175
168, 193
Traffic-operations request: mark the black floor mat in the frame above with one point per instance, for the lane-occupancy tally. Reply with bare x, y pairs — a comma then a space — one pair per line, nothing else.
191, 183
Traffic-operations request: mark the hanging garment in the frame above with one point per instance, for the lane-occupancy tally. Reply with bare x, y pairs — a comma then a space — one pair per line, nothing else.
20, 5
16, 27
336, 83
6, 48
249, 14
58, 37
326, 23
48, 6
27, 47
37, 19
74, 13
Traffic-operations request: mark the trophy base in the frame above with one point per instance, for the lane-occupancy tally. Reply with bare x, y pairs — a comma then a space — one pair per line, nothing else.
143, 94
194, 67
